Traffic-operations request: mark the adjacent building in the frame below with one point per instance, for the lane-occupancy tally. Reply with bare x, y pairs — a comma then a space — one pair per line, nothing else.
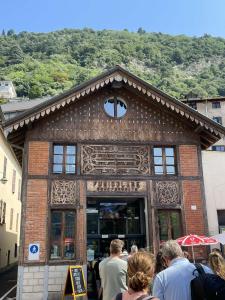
7, 90
112, 158
16, 106
10, 205
213, 163
213, 108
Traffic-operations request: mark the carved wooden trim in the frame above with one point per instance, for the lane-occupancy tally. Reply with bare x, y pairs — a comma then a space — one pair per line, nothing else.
65, 192
167, 192
118, 76
116, 186
115, 159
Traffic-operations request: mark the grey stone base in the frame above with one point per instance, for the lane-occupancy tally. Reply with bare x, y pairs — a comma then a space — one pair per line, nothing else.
41, 282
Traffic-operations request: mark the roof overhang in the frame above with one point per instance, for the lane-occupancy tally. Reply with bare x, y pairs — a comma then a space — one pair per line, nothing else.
209, 131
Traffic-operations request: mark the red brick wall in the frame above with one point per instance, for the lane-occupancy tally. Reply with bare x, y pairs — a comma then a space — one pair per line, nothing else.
38, 158
188, 160
194, 218
36, 216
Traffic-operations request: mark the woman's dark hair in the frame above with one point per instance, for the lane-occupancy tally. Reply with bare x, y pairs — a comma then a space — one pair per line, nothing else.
160, 263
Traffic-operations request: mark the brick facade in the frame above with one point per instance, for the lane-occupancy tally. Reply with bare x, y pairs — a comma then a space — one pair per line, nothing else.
38, 158
188, 160
36, 216
117, 154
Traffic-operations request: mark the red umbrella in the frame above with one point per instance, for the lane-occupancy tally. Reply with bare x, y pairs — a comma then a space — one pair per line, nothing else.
195, 240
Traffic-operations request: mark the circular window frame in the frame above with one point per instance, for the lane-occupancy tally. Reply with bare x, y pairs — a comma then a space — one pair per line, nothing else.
118, 98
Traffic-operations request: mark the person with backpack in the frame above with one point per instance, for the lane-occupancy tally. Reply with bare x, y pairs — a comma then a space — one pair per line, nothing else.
173, 283
207, 286
140, 272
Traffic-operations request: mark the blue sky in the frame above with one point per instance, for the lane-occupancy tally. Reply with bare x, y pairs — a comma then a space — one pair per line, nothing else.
190, 17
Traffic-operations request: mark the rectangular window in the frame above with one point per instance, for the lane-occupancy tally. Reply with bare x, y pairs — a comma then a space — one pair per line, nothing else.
64, 159
14, 182
17, 221
4, 167
15, 250
218, 120
164, 160
62, 235
11, 219
221, 220
2, 212
216, 104
218, 148
19, 189
170, 227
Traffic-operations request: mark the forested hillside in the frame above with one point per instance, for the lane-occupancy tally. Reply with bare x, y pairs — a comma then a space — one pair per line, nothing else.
42, 64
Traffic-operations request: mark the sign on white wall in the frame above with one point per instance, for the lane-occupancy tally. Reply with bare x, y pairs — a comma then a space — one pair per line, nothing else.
34, 251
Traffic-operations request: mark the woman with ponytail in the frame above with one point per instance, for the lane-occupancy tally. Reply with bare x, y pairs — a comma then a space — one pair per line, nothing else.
140, 272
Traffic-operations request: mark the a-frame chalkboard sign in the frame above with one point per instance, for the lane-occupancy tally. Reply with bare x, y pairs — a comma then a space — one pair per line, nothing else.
75, 283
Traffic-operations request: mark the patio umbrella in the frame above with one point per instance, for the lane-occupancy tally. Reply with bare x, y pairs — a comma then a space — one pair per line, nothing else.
195, 240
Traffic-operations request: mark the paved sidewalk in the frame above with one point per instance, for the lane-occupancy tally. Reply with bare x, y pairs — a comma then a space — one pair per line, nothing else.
8, 279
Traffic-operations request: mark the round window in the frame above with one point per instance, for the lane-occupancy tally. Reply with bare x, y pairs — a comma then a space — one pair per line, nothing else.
115, 107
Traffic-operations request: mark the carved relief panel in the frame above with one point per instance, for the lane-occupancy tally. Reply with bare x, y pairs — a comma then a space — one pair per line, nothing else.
115, 159
167, 192
65, 192
116, 186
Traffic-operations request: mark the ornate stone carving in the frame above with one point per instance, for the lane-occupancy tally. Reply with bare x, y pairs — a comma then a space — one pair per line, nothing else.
114, 159
65, 192
116, 186
167, 192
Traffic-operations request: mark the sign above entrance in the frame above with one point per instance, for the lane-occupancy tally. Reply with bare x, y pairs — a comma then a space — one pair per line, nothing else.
116, 186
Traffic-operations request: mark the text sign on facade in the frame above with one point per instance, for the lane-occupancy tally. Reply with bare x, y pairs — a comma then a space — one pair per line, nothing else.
34, 251
116, 186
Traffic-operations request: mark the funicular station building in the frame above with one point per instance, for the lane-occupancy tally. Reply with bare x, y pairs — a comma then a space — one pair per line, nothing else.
112, 158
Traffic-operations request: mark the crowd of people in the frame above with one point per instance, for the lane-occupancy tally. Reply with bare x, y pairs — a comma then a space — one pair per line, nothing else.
140, 275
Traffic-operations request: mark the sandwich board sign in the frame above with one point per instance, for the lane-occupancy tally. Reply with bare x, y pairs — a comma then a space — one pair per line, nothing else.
75, 283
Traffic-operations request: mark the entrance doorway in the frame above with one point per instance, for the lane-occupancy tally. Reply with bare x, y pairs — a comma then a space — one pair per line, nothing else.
112, 218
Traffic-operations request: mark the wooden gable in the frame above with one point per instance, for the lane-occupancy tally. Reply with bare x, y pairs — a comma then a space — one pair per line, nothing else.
78, 114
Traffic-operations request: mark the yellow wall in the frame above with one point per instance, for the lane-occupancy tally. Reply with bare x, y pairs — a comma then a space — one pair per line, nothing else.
9, 237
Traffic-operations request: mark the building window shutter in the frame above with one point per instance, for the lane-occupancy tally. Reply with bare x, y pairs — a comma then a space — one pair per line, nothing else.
11, 219
14, 181
17, 222
4, 167
19, 189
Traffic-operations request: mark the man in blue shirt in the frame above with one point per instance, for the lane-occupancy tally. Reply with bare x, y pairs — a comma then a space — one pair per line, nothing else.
174, 282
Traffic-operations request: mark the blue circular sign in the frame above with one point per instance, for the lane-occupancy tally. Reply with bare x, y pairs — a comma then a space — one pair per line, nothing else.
33, 249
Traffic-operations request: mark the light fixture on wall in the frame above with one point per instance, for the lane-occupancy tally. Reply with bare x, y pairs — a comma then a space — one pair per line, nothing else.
3, 179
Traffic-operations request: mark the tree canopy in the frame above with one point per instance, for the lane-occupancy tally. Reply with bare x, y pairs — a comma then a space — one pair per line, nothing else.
41, 64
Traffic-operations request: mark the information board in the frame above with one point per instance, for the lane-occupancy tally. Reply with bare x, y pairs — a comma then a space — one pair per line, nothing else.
75, 283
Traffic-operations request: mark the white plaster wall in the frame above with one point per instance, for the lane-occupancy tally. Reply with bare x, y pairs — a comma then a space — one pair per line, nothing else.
206, 109
214, 179
9, 237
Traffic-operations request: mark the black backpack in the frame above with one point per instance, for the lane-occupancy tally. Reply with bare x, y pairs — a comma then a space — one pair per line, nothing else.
206, 286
